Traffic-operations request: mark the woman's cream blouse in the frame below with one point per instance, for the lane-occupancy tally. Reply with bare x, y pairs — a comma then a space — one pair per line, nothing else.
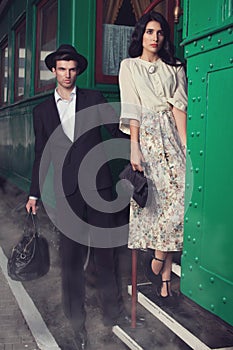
149, 87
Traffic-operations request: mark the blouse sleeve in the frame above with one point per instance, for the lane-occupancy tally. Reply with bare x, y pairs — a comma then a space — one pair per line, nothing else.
130, 100
179, 99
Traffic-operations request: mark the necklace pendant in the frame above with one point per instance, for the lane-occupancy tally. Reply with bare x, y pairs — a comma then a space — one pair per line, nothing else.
151, 69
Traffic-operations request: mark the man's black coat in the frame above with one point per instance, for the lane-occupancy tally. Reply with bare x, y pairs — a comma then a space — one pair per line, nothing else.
66, 156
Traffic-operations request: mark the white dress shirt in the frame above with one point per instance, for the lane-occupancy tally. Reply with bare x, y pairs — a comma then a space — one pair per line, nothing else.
66, 110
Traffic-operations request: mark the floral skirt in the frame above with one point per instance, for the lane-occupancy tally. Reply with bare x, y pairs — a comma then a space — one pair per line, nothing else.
160, 225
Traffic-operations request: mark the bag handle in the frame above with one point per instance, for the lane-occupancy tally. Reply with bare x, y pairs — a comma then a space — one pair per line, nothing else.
33, 218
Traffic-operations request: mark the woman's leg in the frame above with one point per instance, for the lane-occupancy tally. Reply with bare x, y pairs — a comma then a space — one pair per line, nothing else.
158, 262
166, 276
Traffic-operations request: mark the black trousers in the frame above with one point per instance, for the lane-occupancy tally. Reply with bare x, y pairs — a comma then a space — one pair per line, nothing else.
73, 256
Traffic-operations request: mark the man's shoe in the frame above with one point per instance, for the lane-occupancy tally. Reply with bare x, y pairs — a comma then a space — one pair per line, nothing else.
125, 320
80, 339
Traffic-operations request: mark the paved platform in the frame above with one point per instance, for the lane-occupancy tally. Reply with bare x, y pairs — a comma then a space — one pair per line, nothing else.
14, 331
31, 315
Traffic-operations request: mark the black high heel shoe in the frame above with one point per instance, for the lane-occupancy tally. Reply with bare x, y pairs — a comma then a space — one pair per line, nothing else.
168, 299
159, 290
155, 279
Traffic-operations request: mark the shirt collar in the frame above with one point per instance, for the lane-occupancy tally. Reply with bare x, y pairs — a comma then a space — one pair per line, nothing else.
59, 98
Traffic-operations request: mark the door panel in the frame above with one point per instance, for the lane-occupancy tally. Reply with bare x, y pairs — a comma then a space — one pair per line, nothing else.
207, 264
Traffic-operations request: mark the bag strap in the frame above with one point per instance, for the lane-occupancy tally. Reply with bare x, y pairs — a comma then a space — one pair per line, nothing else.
34, 225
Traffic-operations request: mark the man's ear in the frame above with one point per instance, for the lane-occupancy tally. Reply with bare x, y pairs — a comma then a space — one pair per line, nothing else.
54, 70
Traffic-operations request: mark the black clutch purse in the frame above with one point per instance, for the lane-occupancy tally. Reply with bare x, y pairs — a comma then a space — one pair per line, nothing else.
141, 186
30, 257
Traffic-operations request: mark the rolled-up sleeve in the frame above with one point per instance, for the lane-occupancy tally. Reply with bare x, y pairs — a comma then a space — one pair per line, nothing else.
179, 99
130, 100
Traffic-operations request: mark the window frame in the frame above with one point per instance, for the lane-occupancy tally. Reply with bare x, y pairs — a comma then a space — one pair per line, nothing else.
100, 78
50, 86
3, 45
16, 60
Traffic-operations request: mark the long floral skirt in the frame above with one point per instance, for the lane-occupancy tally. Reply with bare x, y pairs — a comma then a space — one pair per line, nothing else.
160, 225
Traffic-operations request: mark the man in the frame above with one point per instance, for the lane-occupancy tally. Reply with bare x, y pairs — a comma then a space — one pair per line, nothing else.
67, 151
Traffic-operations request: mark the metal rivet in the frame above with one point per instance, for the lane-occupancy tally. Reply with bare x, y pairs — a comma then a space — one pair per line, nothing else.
189, 238
195, 43
187, 185
190, 268
224, 300
196, 259
190, 82
195, 205
192, 134
189, 151
200, 286
186, 219
190, 292
229, 30
212, 279
201, 153
194, 240
185, 253
182, 275
202, 47
190, 204
212, 306
198, 133
219, 41
186, 52
211, 65
209, 37
203, 79
199, 188
198, 224
194, 99
197, 170
199, 98
189, 117
197, 69
231, 60
202, 115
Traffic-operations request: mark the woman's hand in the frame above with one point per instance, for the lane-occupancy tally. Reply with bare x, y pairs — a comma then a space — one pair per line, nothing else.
136, 157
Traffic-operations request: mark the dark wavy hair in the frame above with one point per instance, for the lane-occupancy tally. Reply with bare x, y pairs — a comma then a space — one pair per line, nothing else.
167, 51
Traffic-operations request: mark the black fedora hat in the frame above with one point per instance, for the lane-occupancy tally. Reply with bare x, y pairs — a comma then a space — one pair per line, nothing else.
66, 49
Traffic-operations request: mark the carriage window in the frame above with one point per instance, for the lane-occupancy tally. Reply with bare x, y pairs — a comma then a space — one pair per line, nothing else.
19, 73
115, 23
46, 42
4, 69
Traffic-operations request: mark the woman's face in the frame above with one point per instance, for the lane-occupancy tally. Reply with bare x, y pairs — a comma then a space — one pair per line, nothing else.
153, 38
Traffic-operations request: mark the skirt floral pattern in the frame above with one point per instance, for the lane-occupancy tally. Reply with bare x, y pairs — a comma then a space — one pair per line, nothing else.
160, 225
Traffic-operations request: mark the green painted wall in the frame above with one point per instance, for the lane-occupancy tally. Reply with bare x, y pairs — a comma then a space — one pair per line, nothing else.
207, 265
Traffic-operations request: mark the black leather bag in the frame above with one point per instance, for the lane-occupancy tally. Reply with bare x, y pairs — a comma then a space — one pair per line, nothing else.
30, 257
139, 184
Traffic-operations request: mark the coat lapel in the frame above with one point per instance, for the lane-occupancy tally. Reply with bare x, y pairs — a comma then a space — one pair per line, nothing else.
81, 103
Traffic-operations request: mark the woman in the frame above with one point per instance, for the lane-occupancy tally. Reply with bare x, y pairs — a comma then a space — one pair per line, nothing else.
153, 111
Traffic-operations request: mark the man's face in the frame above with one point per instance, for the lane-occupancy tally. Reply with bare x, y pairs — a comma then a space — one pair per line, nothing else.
66, 73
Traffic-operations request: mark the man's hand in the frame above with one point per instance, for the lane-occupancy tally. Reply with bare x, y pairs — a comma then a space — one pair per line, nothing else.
31, 205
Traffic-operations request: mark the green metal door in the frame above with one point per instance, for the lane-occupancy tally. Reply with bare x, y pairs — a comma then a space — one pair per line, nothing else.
207, 264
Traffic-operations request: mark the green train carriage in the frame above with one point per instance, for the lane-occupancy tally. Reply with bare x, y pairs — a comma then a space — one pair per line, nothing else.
101, 30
